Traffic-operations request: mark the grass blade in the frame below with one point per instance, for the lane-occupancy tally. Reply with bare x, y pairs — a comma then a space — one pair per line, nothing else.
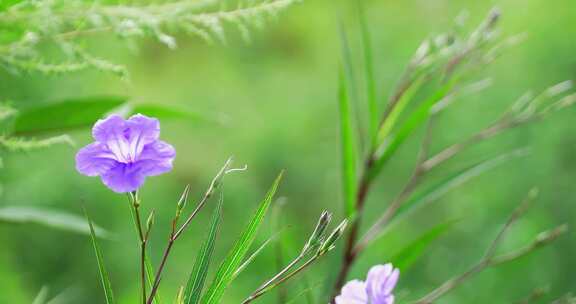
416, 119
101, 267
369, 75
225, 273
347, 97
457, 179
200, 270
348, 150
42, 296
409, 254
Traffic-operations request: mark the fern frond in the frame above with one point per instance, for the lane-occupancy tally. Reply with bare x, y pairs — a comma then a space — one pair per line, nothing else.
7, 112
64, 23
16, 144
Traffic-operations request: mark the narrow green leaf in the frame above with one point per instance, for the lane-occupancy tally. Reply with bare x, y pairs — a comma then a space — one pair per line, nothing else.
48, 218
225, 273
451, 182
414, 120
72, 114
392, 119
256, 252
455, 180
165, 111
101, 267
369, 75
348, 150
410, 254
42, 296
200, 270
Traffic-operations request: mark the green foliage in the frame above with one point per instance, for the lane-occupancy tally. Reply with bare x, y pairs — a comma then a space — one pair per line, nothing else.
226, 271
72, 114
347, 131
101, 267
65, 24
411, 252
48, 218
199, 272
453, 181
16, 144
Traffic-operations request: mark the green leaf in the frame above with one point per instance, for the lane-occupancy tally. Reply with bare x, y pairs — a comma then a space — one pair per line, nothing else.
256, 252
163, 111
48, 218
392, 119
225, 273
455, 180
348, 150
101, 267
414, 120
65, 115
42, 296
447, 184
369, 74
347, 138
200, 270
410, 254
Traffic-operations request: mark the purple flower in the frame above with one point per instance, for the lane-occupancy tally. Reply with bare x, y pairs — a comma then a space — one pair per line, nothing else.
125, 152
376, 290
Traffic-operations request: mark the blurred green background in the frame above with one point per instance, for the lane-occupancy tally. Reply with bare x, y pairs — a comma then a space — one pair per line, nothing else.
272, 105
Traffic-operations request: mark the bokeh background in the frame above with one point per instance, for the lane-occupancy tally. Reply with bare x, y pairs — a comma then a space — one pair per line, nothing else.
272, 105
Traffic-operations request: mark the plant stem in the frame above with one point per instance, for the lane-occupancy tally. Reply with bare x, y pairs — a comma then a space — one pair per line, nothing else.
175, 233
490, 259
258, 293
135, 203
160, 269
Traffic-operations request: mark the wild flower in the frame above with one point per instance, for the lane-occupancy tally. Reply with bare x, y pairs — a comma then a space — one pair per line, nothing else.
125, 152
377, 289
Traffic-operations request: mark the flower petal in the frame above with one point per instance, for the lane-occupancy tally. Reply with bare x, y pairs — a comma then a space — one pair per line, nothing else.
126, 138
354, 292
156, 158
123, 178
380, 282
142, 130
94, 159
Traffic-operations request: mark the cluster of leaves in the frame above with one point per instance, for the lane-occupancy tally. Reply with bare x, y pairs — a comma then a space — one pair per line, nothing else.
441, 71
33, 26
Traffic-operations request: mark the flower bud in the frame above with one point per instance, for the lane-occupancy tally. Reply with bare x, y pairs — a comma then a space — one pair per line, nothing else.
183, 199
329, 244
318, 234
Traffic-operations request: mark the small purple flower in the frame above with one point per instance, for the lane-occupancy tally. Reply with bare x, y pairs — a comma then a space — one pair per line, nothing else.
125, 152
376, 290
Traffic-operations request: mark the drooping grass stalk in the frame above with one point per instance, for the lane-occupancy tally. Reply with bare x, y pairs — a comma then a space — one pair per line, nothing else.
446, 71
490, 259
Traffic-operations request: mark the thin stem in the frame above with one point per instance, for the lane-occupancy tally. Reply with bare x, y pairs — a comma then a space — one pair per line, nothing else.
490, 260
213, 185
282, 272
135, 203
160, 269
175, 233
258, 293
414, 180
